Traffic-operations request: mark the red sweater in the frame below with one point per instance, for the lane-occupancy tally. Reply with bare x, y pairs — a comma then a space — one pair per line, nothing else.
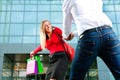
53, 44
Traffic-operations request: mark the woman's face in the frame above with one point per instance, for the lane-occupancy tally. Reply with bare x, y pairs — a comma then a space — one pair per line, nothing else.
47, 26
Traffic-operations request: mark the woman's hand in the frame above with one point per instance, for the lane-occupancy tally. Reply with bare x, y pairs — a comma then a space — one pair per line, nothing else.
70, 37
31, 54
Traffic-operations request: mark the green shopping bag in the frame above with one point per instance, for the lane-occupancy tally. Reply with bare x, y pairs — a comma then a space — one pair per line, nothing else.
40, 65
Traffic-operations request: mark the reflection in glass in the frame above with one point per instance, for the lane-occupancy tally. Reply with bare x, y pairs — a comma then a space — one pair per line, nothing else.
29, 40
30, 17
16, 29
15, 40
17, 17
29, 29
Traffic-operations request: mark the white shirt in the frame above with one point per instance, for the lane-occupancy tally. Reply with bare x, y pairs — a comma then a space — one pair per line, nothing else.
86, 14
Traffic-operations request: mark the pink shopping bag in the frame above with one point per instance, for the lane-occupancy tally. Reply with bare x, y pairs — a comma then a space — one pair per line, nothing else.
32, 67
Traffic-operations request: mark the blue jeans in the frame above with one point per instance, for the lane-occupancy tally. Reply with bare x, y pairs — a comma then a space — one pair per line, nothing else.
101, 42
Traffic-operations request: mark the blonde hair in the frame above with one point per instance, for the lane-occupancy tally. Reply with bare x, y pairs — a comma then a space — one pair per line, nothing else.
43, 34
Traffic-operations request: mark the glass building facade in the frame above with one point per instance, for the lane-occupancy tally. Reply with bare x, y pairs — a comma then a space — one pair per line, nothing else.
19, 35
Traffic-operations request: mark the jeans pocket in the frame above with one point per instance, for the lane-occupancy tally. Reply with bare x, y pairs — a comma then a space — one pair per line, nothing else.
87, 47
113, 45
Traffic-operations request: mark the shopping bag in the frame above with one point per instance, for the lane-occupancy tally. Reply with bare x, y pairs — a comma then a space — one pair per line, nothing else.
69, 51
40, 65
32, 67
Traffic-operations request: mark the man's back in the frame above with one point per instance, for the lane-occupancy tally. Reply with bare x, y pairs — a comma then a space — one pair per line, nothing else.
86, 14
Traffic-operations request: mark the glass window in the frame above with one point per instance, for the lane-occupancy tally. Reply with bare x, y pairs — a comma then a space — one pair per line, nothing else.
55, 2
43, 16
16, 29
56, 17
111, 15
57, 25
38, 29
45, 2
4, 29
3, 1
4, 39
29, 39
20, 2
73, 27
117, 7
22, 73
7, 67
9, 6
92, 74
16, 1
30, 17
30, 29
108, 1
27, 1
43, 7
115, 28
118, 17
3, 7
38, 39
5, 17
17, 7
31, 1
1, 39
56, 8
15, 39
118, 30
17, 17
30, 7
117, 1
1, 29
108, 8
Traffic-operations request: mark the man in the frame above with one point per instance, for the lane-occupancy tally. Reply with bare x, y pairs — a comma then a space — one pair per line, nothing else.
96, 37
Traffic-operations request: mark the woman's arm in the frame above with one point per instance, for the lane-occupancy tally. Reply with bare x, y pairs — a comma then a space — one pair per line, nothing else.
32, 53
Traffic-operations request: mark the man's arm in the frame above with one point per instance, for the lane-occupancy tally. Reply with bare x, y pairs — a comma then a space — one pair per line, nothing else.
67, 23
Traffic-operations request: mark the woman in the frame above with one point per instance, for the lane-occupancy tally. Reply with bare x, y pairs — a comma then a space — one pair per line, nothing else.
58, 58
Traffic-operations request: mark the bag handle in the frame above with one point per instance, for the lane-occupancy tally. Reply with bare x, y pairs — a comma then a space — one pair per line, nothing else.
32, 58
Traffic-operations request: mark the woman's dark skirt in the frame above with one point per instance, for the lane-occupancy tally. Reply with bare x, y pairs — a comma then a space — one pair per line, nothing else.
57, 67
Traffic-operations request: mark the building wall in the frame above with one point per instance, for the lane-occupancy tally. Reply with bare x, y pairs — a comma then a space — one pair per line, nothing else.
20, 22
14, 49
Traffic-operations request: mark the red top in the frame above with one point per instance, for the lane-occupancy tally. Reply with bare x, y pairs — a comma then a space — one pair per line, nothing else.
53, 44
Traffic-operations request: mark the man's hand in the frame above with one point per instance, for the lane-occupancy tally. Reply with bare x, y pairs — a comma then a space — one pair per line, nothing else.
70, 37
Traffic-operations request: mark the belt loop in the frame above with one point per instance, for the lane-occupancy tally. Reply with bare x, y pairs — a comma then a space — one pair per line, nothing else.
81, 36
96, 29
101, 28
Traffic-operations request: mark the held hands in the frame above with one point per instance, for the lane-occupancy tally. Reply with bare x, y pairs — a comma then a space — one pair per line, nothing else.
70, 37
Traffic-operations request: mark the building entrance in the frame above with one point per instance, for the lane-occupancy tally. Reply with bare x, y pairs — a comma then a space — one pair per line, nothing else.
14, 67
